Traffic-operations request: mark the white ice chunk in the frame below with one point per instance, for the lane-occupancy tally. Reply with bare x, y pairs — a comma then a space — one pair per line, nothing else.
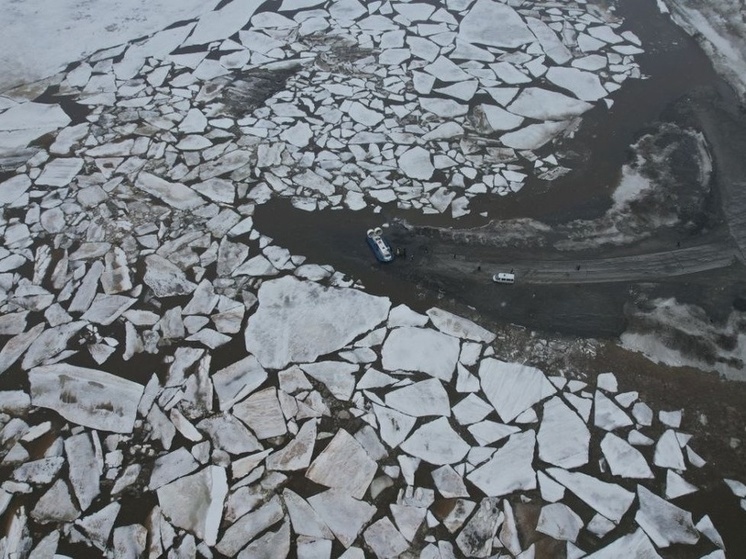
420, 399
663, 522
421, 349
344, 515
338, 377
236, 381
297, 321
605, 34
84, 468
402, 315
496, 119
262, 413
488, 432
676, 486
60, 172
55, 505
510, 468
343, 465
220, 24
416, 163
174, 194
195, 502
542, 104
449, 483
218, 190
509, 74
475, 540
632, 546
551, 491
559, 522
668, 452
305, 520
394, 425
495, 24
446, 71
584, 85
607, 415
384, 539
86, 396
606, 498
624, 460
446, 108
563, 436
271, 544
165, 278
707, 529
229, 434
670, 418
459, 327
533, 136
296, 454
24, 122
249, 526
437, 443
98, 526
549, 41
513, 388
362, 114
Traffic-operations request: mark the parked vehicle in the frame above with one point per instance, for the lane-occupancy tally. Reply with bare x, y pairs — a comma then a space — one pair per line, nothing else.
379, 245
503, 277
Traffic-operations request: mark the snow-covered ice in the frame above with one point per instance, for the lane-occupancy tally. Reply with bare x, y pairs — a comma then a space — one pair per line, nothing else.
609, 499
664, 523
292, 313
421, 349
513, 388
563, 436
86, 396
510, 468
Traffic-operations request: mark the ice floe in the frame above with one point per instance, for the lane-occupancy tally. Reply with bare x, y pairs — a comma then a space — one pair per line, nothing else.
139, 250
302, 310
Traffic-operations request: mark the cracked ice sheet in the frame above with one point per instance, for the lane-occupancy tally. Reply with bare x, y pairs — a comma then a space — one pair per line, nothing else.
86, 396
293, 315
609, 499
513, 388
40, 38
510, 468
421, 349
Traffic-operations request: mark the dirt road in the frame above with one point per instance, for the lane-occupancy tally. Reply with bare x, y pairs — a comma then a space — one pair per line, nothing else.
643, 267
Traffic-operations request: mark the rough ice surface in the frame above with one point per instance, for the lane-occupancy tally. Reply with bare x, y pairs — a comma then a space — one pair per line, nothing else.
542, 104
607, 498
343, 454
563, 437
512, 388
664, 523
635, 546
292, 313
560, 522
421, 349
510, 468
459, 327
420, 399
86, 397
195, 502
624, 460
496, 24
437, 443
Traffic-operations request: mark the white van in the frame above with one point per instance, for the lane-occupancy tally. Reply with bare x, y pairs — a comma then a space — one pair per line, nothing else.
503, 278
